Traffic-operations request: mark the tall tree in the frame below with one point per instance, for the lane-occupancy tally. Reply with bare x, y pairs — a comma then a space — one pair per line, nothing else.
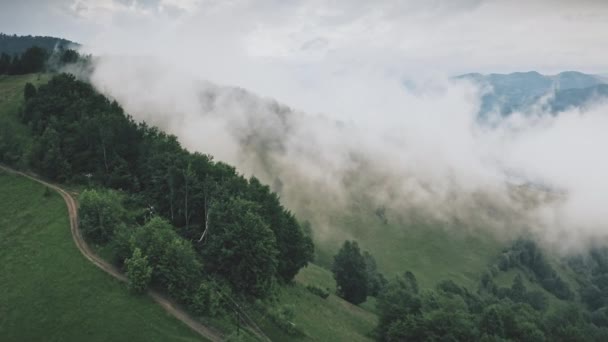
350, 273
139, 271
100, 213
240, 247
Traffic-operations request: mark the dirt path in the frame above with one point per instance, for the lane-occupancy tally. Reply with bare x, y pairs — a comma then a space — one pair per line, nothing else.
170, 306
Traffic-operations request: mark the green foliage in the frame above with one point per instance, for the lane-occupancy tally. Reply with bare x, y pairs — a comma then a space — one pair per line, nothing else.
16, 45
350, 272
318, 291
175, 266
100, 214
399, 300
29, 91
206, 300
375, 280
47, 156
139, 271
283, 317
453, 313
37, 59
241, 247
491, 323
526, 254
294, 247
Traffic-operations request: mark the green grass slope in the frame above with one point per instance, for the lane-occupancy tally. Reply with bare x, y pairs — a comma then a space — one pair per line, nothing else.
330, 319
432, 253
50, 292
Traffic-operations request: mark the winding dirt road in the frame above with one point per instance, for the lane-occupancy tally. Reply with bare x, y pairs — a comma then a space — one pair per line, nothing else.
170, 306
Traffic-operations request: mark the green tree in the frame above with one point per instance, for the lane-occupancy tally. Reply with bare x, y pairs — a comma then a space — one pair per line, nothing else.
206, 299
139, 272
295, 248
518, 289
241, 247
491, 323
375, 280
350, 273
399, 301
48, 157
100, 213
176, 267
29, 91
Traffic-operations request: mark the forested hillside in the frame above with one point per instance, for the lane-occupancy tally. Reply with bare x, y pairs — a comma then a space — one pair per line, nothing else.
218, 215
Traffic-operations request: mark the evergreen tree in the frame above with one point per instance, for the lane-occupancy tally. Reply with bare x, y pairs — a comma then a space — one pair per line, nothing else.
350, 272
29, 91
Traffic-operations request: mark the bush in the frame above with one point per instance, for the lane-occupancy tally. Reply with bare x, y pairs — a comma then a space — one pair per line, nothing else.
100, 213
318, 291
283, 317
139, 271
206, 300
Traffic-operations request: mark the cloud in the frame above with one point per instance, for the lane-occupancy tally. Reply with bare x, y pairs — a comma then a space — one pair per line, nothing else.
421, 154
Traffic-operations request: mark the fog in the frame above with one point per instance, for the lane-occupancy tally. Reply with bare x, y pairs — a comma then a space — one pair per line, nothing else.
418, 151
352, 108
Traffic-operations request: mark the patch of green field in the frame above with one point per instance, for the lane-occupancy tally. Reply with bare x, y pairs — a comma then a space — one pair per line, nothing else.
432, 253
50, 292
330, 319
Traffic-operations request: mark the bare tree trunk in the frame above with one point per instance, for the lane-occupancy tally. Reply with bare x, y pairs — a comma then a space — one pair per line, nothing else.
187, 217
105, 159
206, 221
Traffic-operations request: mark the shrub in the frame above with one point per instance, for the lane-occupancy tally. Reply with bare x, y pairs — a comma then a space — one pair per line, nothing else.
316, 290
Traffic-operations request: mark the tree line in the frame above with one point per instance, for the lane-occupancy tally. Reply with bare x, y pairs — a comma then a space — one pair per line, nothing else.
36, 59
16, 45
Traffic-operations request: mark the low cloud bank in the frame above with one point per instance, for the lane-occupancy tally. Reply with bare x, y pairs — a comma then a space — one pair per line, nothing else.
417, 150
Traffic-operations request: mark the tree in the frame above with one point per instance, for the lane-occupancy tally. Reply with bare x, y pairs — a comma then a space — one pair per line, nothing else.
47, 155
350, 273
295, 248
29, 91
241, 247
399, 301
33, 60
491, 323
100, 213
139, 271
518, 289
375, 280
176, 267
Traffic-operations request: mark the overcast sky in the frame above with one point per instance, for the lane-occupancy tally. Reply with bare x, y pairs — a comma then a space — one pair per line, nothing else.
453, 36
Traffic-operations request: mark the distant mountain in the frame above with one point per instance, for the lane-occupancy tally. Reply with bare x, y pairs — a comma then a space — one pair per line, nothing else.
520, 90
16, 45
